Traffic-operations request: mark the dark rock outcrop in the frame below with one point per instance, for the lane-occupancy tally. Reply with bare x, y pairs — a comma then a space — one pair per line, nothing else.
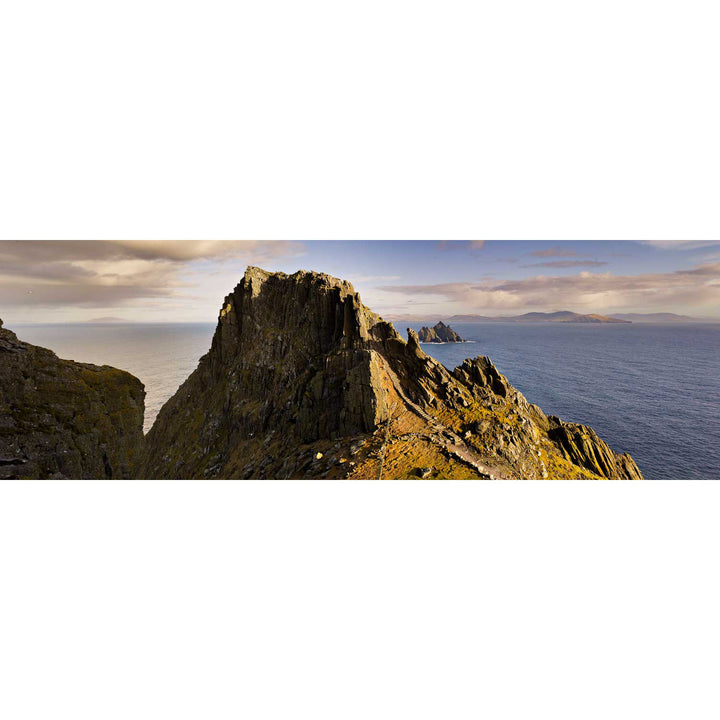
440, 333
302, 380
63, 419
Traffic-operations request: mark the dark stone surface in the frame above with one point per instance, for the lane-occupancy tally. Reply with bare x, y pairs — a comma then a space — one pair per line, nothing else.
63, 419
440, 333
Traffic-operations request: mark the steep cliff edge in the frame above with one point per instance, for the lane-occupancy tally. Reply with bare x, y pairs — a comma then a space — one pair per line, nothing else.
302, 380
63, 419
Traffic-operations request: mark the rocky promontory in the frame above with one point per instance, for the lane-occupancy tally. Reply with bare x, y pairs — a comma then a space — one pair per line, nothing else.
303, 381
440, 333
63, 419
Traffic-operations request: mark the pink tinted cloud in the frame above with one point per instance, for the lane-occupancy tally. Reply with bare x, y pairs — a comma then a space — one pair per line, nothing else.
698, 288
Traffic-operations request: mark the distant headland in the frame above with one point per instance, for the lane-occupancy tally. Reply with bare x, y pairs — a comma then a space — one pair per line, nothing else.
561, 316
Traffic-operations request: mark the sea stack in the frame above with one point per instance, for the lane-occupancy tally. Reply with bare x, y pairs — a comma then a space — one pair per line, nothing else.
440, 333
63, 419
303, 381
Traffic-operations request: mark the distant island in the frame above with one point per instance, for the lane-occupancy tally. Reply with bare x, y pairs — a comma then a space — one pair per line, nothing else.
656, 317
441, 333
563, 316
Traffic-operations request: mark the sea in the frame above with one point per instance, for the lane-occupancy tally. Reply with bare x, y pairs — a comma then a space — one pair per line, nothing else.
648, 389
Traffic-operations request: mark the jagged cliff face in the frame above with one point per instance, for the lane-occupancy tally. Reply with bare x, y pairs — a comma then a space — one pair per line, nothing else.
62, 419
302, 380
440, 333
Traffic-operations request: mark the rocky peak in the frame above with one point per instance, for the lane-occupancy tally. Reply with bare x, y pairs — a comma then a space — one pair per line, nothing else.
440, 333
325, 312
302, 380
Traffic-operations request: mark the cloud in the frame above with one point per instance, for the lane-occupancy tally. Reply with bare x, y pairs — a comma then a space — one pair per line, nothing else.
554, 252
567, 264
696, 288
467, 294
60, 270
185, 250
95, 296
459, 244
680, 244
99, 273
180, 251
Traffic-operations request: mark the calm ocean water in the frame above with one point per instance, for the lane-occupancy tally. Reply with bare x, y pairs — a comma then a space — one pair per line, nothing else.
650, 390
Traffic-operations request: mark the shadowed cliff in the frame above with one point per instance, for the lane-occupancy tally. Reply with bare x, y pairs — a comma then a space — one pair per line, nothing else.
302, 380
63, 419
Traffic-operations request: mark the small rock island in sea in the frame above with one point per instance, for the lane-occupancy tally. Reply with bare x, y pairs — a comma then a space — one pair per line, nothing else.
441, 333
301, 381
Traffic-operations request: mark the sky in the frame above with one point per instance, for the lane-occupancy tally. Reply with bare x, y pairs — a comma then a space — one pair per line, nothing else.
186, 280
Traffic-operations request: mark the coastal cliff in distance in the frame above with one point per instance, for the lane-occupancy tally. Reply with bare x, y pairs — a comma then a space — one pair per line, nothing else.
440, 333
560, 316
63, 419
303, 381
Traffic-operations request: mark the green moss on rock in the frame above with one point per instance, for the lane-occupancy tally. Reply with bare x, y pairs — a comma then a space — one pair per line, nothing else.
63, 419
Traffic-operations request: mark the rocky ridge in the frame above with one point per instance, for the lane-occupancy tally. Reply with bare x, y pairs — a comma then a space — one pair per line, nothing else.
63, 419
302, 380
440, 333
